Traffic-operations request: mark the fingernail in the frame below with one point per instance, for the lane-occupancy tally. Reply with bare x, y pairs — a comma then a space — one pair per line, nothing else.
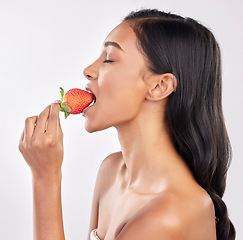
56, 101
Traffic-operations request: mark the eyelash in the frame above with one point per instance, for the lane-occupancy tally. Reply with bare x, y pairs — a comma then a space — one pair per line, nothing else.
108, 61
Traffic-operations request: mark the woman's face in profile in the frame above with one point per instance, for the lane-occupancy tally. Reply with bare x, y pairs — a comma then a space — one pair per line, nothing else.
117, 80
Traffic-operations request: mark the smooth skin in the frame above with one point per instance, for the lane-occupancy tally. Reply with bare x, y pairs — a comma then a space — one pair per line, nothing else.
146, 191
41, 145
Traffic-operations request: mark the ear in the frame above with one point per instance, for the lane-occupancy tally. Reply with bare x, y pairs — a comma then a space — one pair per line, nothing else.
162, 86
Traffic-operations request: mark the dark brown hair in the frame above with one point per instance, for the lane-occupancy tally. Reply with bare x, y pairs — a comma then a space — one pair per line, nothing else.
187, 49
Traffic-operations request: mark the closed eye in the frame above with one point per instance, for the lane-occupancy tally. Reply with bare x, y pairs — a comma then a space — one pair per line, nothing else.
108, 61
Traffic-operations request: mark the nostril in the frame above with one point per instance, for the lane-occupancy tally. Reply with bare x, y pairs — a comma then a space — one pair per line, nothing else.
86, 73
90, 73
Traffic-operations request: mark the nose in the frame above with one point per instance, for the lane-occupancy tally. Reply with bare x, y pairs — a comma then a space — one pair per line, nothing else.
90, 73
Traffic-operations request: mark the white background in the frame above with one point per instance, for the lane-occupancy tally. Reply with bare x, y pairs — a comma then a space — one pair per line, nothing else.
47, 44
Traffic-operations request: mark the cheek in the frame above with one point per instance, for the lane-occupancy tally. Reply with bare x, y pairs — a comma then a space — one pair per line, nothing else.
122, 92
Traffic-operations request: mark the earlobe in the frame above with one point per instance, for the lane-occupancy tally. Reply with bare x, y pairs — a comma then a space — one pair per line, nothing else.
164, 85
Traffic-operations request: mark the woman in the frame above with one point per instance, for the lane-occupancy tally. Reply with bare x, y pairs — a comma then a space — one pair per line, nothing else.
158, 82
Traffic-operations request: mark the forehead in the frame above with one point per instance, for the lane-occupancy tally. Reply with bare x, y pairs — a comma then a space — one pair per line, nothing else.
123, 35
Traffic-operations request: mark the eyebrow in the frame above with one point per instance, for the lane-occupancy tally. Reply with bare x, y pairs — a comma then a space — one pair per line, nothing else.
114, 44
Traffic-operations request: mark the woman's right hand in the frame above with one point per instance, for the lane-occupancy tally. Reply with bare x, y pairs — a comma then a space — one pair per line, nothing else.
41, 143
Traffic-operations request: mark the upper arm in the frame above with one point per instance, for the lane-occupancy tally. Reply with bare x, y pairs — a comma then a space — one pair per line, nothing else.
105, 172
95, 206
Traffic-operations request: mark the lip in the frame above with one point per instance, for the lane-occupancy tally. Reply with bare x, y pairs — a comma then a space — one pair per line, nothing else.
88, 89
86, 109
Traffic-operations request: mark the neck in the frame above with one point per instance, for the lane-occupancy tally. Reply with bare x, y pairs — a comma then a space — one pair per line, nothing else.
148, 152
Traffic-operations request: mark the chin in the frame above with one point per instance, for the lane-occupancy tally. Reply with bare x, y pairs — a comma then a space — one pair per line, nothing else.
92, 127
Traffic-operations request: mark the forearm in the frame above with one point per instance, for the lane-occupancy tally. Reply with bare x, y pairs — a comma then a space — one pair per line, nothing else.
41, 145
48, 222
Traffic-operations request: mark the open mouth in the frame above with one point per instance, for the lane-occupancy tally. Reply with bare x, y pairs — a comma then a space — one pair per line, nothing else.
90, 91
93, 102
88, 107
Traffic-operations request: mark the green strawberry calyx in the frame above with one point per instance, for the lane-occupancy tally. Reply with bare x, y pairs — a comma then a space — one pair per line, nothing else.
64, 108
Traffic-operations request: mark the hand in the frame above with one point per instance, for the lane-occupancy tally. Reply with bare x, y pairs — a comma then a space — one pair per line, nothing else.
41, 143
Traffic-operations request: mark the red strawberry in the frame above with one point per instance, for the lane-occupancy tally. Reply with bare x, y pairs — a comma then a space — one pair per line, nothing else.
75, 100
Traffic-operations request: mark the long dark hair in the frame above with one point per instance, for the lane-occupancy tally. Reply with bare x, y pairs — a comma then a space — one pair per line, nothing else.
185, 48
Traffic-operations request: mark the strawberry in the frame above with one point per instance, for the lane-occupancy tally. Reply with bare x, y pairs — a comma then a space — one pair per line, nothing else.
74, 101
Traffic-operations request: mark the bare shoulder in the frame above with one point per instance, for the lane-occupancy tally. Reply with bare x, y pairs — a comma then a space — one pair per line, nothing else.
174, 215
111, 161
110, 165
108, 171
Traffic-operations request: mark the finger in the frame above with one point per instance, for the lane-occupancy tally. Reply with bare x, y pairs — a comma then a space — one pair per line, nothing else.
42, 121
29, 129
22, 137
59, 129
53, 121
21, 141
